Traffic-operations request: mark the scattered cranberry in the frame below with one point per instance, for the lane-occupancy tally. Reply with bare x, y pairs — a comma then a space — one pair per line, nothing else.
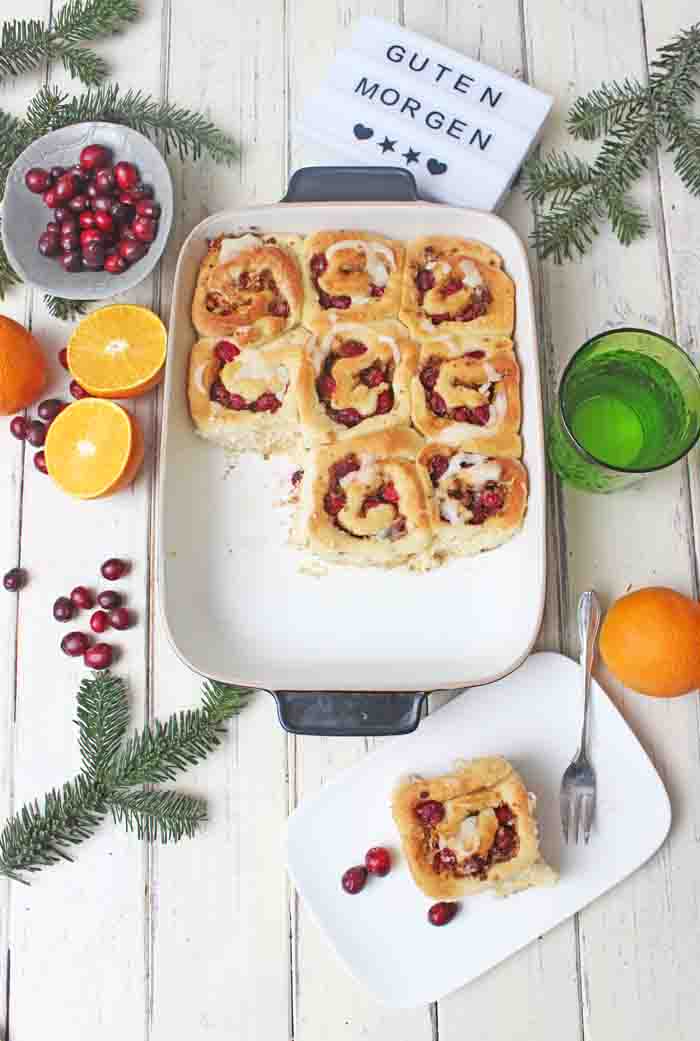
36, 433
442, 913
93, 157
354, 879
429, 812
113, 569
63, 609
120, 618
82, 598
297, 477
109, 599
99, 656
50, 408
63, 357
99, 621
37, 180
15, 579
77, 391
378, 861
40, 461
18, 428
74, 644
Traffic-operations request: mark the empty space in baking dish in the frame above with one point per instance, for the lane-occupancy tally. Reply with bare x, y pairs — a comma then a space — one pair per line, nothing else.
237, 599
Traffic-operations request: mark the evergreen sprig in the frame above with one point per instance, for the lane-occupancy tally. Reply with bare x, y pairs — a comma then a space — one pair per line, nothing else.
575, 196
112, 773
26, 43
64, 309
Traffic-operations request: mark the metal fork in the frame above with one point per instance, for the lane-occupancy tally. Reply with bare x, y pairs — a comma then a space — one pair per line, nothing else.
578, 785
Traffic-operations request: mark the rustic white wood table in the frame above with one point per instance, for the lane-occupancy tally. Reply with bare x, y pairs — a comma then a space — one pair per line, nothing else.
205, 940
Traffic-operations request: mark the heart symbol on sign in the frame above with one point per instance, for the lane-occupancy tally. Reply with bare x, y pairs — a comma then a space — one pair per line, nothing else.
361, 132
436, 167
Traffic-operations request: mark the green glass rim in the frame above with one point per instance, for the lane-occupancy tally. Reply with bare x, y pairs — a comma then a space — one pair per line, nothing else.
584, 451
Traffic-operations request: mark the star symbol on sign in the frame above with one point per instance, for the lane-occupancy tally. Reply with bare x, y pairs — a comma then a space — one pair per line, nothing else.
386, 145
410, 156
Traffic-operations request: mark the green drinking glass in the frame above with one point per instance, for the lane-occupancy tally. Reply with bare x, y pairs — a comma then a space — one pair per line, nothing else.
628, 404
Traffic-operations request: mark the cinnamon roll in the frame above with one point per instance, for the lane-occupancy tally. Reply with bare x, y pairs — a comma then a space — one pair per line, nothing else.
351, 276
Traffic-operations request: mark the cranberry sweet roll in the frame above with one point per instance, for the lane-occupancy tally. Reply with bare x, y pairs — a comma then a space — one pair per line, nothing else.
456, 285
477, 503
470, 830
249, 287
363, 501
356, 379
462, 397
351, 275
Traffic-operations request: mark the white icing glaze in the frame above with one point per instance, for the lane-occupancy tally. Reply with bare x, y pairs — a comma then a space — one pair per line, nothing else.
493, 374
449, 510
199, 378
252, 365
456, 461
471, 276
367, 474
229, 248
466, 841
479, 475
393, 345
378, 269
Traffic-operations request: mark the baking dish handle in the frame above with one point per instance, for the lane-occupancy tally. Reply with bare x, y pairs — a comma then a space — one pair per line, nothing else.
351, 184
324, 714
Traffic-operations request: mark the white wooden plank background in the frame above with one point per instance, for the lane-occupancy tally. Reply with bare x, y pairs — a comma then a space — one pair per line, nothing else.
205, 939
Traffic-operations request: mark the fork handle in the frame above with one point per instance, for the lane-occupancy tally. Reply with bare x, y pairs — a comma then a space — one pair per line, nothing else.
588, 624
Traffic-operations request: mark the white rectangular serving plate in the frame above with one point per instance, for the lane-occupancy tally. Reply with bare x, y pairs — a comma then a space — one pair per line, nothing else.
531, 717
238, 606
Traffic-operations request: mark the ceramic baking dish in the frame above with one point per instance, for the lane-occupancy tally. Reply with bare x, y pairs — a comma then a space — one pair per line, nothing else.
351, 651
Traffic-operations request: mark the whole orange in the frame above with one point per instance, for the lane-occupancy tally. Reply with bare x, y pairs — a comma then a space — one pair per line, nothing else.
22, 367
650, 640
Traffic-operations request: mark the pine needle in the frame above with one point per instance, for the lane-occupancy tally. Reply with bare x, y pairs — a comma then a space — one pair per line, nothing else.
103, 718
66, 310
8, 275
165, 815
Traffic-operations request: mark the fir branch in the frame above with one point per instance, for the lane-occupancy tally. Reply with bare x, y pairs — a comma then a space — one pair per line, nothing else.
103, 718
627, 220
684, 143
557, 174
567, 229
36, 837
66, 310
597, 112
26, 43
676, 70
8, 275
165, 815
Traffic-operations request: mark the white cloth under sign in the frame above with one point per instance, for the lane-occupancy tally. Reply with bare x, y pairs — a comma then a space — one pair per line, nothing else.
395, 98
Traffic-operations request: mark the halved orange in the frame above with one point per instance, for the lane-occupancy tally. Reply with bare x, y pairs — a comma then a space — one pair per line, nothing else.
93, 448
118, 351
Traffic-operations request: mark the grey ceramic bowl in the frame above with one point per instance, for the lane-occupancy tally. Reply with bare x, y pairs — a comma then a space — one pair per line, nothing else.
24, 215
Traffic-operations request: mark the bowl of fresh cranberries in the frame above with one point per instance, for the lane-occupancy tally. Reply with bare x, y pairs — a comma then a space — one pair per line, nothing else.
87, 211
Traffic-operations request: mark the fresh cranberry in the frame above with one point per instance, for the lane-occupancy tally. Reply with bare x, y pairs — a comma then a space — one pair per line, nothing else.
99, 621
226, 351
142, 191
79, 203
14, 579
48, 245
237, 402
69, 224
63, 609
99, 656
349, 417
50, 198
94, 157
350, 464
53, 228
104, 221
113, 569
65, 188
144, 229
36, 433
121, 214
318, 264
354, 879
297, 477
437, 404
87, 220
267, 403
451, 287
56, 172
326, 386
492, 499
37, 180
351, 349
77, 391
18, 428
126, 176
63, 357
75, 644
130, 250
90, 235
104, 180
504, 814
147, 208
70, 242
40, 461
91, 192
389, 493
103, 204
109, 598
127, 199
429, 812
378, 861
385, 401
72, 261
63, 213
437, 467
82, 598
120, 618
93, 257
442, 913
115, 264
333, 503
425, 280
